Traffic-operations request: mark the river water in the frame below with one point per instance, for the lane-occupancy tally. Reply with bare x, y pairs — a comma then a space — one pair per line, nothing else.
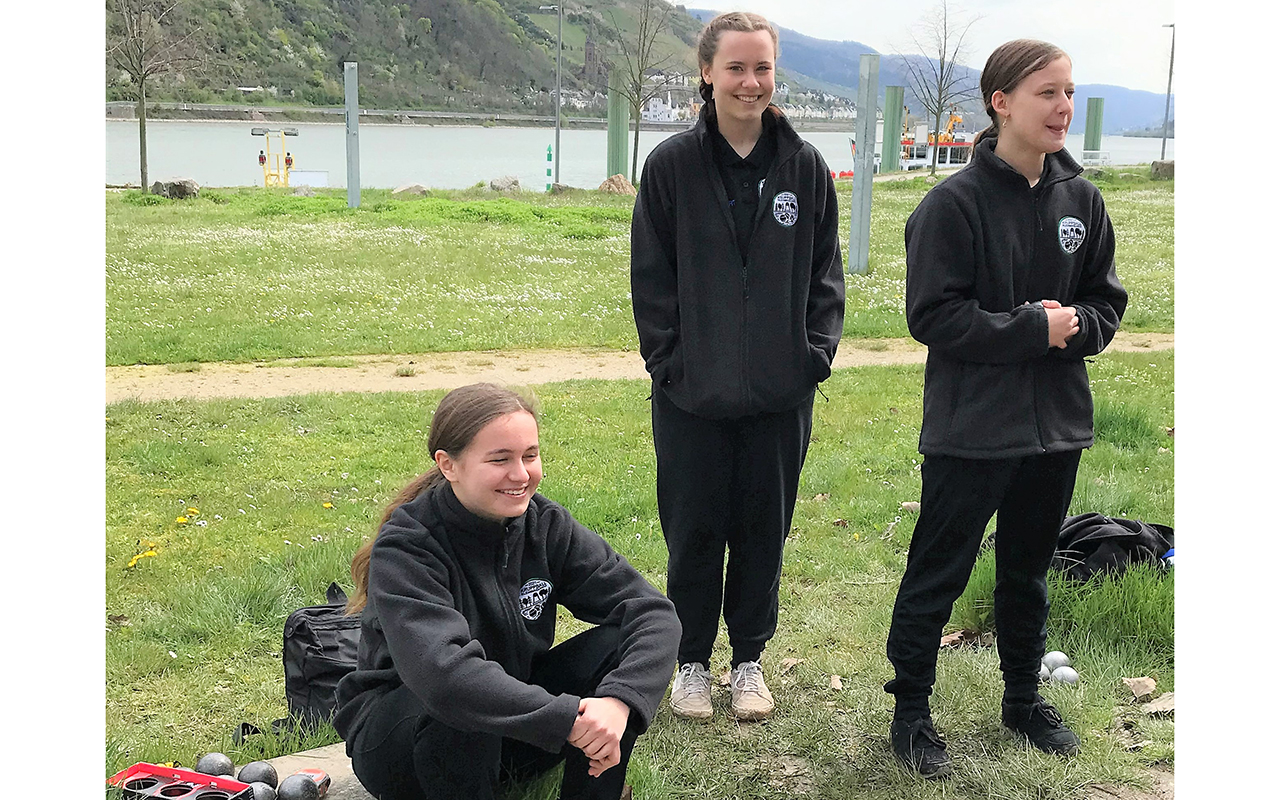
226, 154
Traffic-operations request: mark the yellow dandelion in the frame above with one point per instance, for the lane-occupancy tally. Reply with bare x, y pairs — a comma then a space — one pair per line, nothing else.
181, 520
328, 505
133, 562
195, 512
857, 537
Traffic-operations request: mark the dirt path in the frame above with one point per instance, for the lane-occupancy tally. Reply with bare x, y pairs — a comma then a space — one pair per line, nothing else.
448, 370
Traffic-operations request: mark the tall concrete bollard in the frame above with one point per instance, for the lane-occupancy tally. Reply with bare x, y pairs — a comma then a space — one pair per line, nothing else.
863, 164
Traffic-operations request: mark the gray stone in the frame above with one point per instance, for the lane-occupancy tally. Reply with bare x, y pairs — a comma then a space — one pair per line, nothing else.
176, 189
560, 188
304, 191
507, 183
410, 191
344, 785
1162, 170
1093, 172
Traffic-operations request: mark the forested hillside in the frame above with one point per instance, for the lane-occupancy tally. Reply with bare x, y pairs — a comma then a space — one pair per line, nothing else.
438, 54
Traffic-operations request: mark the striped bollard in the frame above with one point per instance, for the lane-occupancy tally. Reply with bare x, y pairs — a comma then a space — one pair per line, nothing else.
548, 168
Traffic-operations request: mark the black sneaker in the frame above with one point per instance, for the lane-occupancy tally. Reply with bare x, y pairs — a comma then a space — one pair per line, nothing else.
1041, 724
918, 745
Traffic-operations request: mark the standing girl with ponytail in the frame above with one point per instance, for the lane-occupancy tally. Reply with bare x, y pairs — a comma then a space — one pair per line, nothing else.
457, 681
1011, 283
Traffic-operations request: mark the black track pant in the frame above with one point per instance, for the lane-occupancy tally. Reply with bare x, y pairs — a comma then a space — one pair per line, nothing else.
1030, 497
727, 482
400, 753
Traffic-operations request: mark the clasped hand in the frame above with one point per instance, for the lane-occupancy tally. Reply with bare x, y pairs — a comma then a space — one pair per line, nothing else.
598, 730
1063, 323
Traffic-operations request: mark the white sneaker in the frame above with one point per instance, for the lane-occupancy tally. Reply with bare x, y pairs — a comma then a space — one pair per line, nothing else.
751, 699
691, 692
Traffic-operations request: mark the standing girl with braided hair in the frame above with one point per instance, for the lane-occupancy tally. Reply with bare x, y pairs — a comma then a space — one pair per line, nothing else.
1011, 283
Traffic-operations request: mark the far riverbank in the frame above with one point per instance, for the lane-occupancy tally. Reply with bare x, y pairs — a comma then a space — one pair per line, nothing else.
195, 112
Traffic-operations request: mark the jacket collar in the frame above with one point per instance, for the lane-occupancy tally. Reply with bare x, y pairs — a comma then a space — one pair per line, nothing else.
1058, 167
789, 142
464, 526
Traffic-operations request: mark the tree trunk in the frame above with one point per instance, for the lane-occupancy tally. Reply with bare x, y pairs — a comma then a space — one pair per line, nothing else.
635, 147
142, 134
937, 142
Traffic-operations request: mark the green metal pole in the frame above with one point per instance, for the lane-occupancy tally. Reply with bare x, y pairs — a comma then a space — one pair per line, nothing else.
548, 168
891, 148
1093, 125
619, 123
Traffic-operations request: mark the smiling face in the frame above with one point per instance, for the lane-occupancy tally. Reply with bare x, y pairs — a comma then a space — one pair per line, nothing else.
497, 473
741, 74
1036, 114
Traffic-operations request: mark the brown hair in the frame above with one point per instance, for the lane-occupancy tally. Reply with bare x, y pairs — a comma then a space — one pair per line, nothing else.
1008, 66
461, 415
709, 39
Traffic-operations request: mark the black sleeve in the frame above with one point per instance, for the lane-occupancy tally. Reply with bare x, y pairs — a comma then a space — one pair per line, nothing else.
942, 311
654, 285
599, 586
435, 655
1099, 298
824, 314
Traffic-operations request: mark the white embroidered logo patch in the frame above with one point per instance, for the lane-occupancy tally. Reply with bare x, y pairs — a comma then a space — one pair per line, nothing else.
533, 596
786, 209
1071, 234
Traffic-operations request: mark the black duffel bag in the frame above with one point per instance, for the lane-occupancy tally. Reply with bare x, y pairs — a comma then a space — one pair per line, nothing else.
1091, 543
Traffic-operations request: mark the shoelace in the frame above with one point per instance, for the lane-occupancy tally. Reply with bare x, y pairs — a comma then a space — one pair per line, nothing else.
1048, 712
748, 676
695, 679
930, 735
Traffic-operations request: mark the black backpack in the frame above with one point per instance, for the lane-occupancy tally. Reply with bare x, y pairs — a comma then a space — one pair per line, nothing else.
320, 644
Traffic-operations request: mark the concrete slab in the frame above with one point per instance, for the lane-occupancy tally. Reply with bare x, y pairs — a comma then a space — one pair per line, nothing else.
333, 760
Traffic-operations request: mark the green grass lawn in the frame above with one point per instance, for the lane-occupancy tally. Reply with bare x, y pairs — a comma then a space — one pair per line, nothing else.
193, 631
249, 274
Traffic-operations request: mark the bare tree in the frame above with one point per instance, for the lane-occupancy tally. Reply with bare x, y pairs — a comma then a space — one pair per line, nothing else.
644, 69
143, 47
936, 80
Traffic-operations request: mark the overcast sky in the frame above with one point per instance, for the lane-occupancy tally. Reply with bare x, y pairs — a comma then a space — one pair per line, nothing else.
1119, 42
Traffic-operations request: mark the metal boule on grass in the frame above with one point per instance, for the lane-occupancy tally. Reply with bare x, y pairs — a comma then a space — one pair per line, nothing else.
1056, 659
259, 772
215, 764
1065, 675
262, 791
1045, 674
298, 787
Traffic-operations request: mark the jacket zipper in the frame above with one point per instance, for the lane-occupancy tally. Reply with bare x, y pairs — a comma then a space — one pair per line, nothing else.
512, 615
1035, 244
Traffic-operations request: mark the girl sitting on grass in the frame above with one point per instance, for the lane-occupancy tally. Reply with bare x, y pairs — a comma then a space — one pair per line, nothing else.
1011, 283
457, 680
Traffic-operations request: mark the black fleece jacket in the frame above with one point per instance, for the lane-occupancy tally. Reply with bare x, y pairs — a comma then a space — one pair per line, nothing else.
725, 333
459, 606
983, 249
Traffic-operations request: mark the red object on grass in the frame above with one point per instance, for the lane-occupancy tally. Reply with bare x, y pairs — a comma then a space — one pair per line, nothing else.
319, 776
144, 780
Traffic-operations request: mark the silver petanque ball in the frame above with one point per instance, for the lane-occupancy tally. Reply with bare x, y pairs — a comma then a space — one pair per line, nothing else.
1044, 673
1056, 659
1066, 675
